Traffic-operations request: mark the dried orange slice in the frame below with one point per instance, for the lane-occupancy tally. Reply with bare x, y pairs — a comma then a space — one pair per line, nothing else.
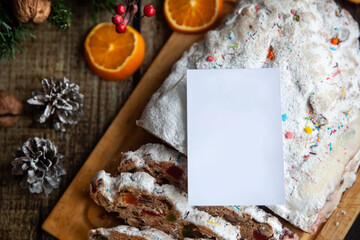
113, 56
192, 15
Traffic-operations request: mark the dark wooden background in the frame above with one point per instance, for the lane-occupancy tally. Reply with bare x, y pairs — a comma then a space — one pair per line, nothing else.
57, 53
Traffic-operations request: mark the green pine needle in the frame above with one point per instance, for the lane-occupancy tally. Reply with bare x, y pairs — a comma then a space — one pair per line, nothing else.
12, 32
60, 15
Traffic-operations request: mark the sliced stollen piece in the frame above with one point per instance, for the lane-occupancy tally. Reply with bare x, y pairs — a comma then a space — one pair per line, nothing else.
125, 232
251, 219
166, 165
315, 45
254, 223
141, 202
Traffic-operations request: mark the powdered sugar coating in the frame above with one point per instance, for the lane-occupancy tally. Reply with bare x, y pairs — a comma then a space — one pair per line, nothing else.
154, 152
146, 232
110, 186
319, 89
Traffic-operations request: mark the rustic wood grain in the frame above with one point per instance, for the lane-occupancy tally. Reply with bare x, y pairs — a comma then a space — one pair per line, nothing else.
55, 53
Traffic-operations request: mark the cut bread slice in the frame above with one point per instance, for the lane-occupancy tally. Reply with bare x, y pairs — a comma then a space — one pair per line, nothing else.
166, 165
137, 199
155, 159
254, 222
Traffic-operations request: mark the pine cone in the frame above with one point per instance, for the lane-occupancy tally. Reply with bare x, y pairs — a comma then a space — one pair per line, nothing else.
39, 164
62, 100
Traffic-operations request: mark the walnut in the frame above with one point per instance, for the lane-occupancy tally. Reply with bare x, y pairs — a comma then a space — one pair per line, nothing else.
10, 109
36, 11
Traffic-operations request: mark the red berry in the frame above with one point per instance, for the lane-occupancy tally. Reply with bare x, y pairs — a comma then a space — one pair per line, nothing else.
149, 10
134, 9
120, 9
121, 28
117, 19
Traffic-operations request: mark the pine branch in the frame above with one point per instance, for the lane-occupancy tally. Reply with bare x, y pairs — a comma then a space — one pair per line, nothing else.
60, 15
99, 5
12, 32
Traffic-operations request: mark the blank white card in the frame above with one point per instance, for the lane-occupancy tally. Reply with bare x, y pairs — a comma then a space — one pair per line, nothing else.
234, 137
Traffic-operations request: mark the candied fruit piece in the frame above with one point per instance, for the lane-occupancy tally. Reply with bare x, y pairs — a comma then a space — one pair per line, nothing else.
175, 172
258, 236
170, 217
287, 235
130, 198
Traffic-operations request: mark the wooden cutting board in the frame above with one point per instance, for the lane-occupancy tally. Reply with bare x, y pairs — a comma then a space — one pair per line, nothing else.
75, 213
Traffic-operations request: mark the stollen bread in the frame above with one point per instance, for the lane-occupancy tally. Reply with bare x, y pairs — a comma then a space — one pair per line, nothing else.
141, 202
315, 45
166, 165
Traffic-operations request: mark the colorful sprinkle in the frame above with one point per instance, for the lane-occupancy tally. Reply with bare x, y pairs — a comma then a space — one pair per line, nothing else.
214, 223
289, 135
270, 55
330, 147
294, 179
279, 32
334, 41
284, 117
210, 58
178, 158
332, 48
257, 8
308, 130
237, 208
296, 18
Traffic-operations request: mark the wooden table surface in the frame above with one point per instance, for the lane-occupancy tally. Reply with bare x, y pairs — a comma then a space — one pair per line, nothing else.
57, 53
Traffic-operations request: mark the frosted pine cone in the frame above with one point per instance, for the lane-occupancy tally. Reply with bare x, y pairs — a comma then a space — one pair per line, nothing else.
39, 164
62, 101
